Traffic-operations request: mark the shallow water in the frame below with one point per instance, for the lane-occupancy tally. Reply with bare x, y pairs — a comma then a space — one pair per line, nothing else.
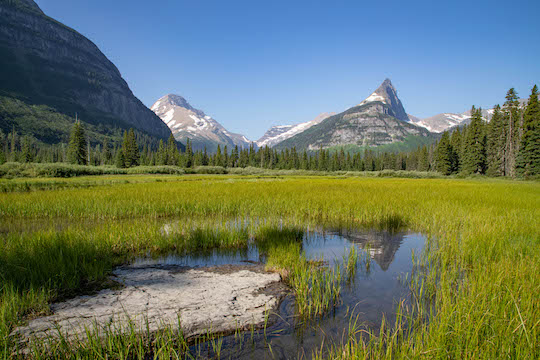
372, 293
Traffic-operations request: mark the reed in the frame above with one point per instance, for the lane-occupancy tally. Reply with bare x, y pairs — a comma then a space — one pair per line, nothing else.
477, 281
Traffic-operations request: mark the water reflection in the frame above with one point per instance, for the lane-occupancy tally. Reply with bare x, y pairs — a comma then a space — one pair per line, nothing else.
372, 294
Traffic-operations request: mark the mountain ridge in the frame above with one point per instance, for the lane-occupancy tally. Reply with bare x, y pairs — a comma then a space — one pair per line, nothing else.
187, 122
372, 122
44, 62
279, 133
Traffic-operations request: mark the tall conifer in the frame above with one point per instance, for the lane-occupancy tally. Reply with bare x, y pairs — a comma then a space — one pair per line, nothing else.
77, 149
528, 160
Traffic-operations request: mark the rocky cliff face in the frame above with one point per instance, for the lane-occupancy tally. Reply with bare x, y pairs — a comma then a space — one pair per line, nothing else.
378, 120
387, 94
202, 130
45, 62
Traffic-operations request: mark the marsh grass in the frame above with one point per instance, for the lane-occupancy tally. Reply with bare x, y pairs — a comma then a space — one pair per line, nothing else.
474, 290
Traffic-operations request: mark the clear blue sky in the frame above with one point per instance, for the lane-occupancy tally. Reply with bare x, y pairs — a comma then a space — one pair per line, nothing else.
253, 64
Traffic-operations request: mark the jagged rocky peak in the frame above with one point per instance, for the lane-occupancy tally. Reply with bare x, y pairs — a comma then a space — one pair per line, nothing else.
187, 122
387, 94
173, 99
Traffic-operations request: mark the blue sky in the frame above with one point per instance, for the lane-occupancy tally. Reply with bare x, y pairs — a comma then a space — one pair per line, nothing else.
254, 64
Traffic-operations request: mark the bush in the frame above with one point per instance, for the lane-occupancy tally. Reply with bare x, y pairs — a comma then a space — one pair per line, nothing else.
62, 170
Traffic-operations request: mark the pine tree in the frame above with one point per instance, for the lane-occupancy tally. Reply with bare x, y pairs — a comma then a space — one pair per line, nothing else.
511, 108
189, 154
27, 150
225, 156
474, 159
205, 160
455, 142
444, 155
120, 161
218, 161
13, 145
3, 147
161, 154
495, 144
130, 148
77, 149
106, 155
234, 157
172, 155
423, 159
528, 160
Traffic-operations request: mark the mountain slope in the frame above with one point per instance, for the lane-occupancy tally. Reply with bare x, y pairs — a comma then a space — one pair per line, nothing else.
279, 133
445, 121
45, 63
187, 122
387, 94
373, 122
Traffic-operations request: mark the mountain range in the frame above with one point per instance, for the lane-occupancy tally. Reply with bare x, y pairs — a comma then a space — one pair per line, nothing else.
279, 133
49, 73
378, 120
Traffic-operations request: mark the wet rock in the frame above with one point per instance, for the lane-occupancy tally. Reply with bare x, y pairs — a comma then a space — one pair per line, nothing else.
217, 299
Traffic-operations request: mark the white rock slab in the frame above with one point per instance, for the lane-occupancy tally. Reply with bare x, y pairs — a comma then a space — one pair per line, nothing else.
205, 299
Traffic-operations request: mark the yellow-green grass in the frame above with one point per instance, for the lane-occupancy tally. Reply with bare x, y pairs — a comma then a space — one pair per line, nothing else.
480, 277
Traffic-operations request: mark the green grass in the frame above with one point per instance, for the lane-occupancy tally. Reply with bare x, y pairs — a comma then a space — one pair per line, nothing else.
478, 282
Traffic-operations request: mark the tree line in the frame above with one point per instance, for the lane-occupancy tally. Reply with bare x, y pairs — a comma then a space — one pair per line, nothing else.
507, 145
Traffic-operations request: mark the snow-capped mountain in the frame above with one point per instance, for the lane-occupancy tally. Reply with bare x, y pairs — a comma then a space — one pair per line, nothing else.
387, 94
277, 134
378, 120
445, 121
441, 122
187, 122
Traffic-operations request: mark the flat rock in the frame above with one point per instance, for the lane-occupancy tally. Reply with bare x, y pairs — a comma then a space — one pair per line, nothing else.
218, 299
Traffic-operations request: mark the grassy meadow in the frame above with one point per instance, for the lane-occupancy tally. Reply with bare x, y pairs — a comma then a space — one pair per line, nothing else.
475, 288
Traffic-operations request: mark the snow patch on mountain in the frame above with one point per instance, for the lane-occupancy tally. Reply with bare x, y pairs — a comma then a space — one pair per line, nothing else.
373, 97
279, 133
188, 122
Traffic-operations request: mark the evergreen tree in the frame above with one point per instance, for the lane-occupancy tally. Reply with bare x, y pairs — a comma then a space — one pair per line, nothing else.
172, 156
120, 161
423, 159
233, 161
106, 155
3, 147
77, 149
511, 114
130, 148
161, 154
444, 155
27, 150
189, 154
205, 161
456, 143
13, 145
495, 144
218, 160
225, 156
474, 161
528, 160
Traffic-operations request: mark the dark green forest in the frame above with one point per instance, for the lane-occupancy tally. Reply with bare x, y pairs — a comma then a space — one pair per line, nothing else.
508, 145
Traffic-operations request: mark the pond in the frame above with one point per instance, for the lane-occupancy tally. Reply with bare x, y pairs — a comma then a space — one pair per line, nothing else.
373, 293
